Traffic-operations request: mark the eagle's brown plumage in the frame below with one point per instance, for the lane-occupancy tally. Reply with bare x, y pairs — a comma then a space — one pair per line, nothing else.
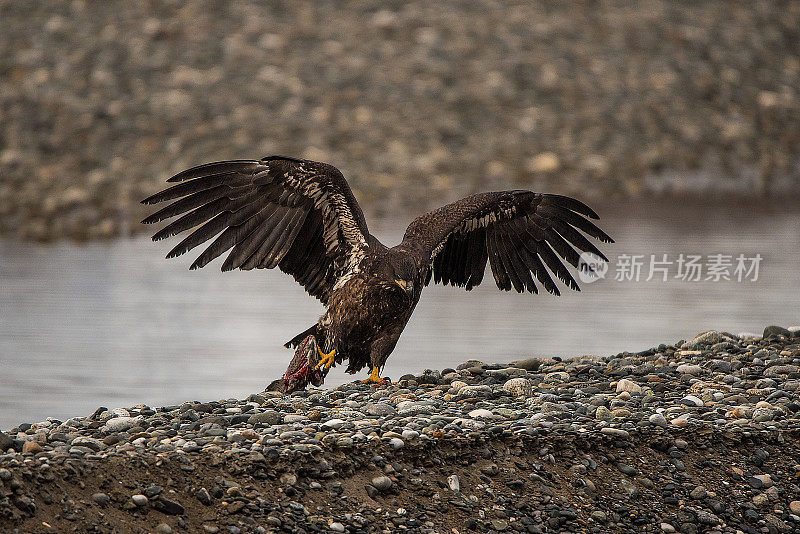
302, 217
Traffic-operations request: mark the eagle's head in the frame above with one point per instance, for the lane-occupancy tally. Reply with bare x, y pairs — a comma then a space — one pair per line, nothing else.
398, 270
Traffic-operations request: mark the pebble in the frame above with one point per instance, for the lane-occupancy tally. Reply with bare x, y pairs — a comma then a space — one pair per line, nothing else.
499, 524
760, 500
761, 415
31, 447
629, 386
382, 483
139, 500
475, 391
658, 419
627, 469
203, 496
604, 414
691, 400
765, 480
454, 483
101, 498
409, 434
490, 469
120, 424
267, 417
381, 409
91, 443
6, 442
518, 387
334, 424
681, 421
530, 364
777, 331
617, 432
689, 369
167, 506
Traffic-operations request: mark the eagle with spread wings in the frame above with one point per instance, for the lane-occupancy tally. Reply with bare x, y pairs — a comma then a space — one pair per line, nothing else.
301, 216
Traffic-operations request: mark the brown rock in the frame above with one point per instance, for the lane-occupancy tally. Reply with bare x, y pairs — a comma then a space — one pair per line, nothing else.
31, 447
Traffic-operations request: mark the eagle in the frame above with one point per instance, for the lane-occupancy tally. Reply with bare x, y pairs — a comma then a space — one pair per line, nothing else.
302, 217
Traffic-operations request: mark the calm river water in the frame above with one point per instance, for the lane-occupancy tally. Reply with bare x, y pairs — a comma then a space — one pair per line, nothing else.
114, 324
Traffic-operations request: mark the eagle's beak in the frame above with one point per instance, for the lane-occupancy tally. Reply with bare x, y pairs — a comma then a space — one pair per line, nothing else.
408, 287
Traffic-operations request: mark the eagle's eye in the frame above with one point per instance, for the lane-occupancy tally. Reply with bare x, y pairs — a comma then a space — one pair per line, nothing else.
406, 285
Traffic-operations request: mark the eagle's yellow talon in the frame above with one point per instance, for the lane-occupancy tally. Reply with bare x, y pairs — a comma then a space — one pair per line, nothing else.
326, 360
374, 377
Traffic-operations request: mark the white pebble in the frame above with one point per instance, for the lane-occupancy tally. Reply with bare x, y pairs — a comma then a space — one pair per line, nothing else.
691, 400
628, 385
689, 369
457, 384
333, 423
518, 387
122, 423
454, 483
409, 434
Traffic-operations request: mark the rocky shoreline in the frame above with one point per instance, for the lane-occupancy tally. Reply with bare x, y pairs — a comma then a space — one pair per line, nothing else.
417, 103
698, 436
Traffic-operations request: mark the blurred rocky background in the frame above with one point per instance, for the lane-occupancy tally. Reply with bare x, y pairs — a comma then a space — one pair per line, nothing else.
416, 102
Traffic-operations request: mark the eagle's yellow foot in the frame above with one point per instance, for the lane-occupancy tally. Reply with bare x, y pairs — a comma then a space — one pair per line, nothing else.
326, 360
375, 378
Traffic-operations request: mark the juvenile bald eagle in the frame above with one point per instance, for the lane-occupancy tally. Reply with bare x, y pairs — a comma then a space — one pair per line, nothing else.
302, 217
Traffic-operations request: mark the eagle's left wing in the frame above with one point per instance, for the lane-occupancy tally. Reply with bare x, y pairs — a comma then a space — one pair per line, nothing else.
518, 232
298, 215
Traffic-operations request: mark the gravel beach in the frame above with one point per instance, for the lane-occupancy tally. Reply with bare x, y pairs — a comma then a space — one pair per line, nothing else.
699, 436
417, 103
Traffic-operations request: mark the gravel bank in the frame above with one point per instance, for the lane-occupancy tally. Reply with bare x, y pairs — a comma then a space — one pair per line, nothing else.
415, 102
700, 436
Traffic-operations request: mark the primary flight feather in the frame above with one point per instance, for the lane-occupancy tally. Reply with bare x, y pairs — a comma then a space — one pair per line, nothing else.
301, 216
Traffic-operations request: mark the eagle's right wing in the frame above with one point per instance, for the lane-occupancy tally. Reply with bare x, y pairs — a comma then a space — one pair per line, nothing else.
518, 232
297, 215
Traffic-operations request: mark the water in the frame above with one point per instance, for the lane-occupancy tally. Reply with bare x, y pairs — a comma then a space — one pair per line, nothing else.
114, 324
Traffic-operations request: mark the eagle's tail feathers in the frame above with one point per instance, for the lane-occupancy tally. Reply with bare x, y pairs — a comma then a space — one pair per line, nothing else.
296, 340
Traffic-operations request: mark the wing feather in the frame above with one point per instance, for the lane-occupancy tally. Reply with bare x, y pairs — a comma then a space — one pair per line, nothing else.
295, 214
188, 203
477, 256
462, 264
248, 242
265, 247
572, 218
518, 263
524, 236
495, 261
284, 241
203, 183
233, 234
